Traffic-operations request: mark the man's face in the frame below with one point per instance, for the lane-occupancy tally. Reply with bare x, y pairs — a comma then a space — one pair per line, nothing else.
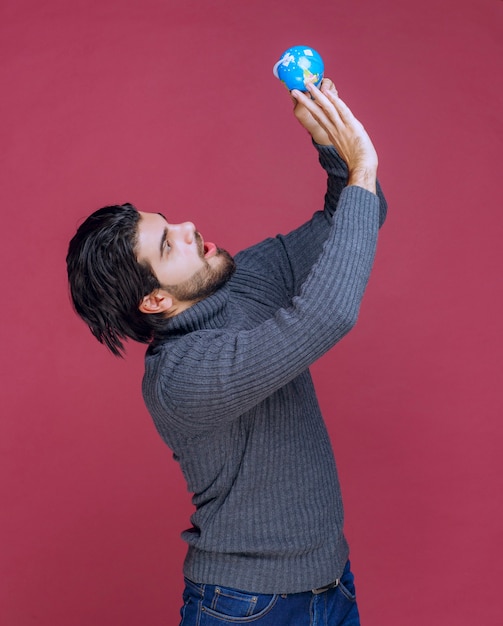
187, 268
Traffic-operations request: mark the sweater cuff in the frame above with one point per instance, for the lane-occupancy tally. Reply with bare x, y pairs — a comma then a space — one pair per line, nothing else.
330, 161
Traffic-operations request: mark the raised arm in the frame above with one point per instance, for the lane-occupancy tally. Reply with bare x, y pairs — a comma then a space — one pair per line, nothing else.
301, 248
333, 154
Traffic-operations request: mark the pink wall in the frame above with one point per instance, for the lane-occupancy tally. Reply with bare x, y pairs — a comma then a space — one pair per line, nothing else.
173, 106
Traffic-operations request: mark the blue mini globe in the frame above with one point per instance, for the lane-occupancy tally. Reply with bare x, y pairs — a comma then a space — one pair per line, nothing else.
298, 65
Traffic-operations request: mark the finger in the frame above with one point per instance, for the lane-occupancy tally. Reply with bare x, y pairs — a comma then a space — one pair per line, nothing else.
328, 85
331, 98
330, 91
328, 119
313, 105
319, 95
298, 109
305, 101
328, 102
300, 101
343, 109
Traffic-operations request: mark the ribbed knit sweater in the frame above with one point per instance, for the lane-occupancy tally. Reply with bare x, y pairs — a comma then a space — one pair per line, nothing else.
229, 390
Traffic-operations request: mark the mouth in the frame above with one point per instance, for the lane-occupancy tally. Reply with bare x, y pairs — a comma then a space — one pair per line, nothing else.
210, 249
206, 249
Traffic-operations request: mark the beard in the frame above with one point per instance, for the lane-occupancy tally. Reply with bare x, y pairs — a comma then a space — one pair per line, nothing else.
207, 280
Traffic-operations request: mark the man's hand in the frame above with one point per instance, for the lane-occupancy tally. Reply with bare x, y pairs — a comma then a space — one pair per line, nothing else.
330, 122
307, 120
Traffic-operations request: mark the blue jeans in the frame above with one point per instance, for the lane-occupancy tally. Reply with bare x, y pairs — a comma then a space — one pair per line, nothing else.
213, 605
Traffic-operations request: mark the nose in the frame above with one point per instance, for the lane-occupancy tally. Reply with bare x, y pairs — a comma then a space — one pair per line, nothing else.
185, 230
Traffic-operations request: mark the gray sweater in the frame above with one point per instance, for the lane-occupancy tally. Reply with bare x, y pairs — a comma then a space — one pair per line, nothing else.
229, 390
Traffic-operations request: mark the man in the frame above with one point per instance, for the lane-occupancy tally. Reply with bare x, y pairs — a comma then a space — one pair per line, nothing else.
227, 381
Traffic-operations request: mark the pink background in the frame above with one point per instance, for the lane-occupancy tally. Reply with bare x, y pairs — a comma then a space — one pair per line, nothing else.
172, 105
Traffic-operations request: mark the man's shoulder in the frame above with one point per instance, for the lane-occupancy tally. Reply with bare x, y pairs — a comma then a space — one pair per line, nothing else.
255, 255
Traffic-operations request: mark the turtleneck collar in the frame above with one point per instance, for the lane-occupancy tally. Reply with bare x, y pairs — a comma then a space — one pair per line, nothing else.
210, 313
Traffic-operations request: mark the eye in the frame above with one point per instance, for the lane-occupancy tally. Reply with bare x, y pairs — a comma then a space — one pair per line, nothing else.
166, 247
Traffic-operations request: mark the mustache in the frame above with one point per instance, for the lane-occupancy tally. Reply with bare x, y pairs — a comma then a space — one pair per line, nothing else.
199, 243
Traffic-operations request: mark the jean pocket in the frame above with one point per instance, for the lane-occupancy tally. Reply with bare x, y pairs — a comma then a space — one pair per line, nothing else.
347, 584
232, 606
347, 593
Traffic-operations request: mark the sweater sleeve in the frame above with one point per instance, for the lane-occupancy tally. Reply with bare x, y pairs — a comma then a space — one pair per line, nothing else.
211, 376
338, 174
288, 259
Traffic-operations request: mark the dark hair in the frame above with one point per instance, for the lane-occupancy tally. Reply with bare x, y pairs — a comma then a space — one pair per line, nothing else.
107, 283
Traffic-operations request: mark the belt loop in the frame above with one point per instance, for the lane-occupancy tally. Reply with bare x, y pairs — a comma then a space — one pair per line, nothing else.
326, 588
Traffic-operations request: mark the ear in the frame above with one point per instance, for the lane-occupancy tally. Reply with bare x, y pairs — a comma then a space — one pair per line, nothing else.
156, 302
